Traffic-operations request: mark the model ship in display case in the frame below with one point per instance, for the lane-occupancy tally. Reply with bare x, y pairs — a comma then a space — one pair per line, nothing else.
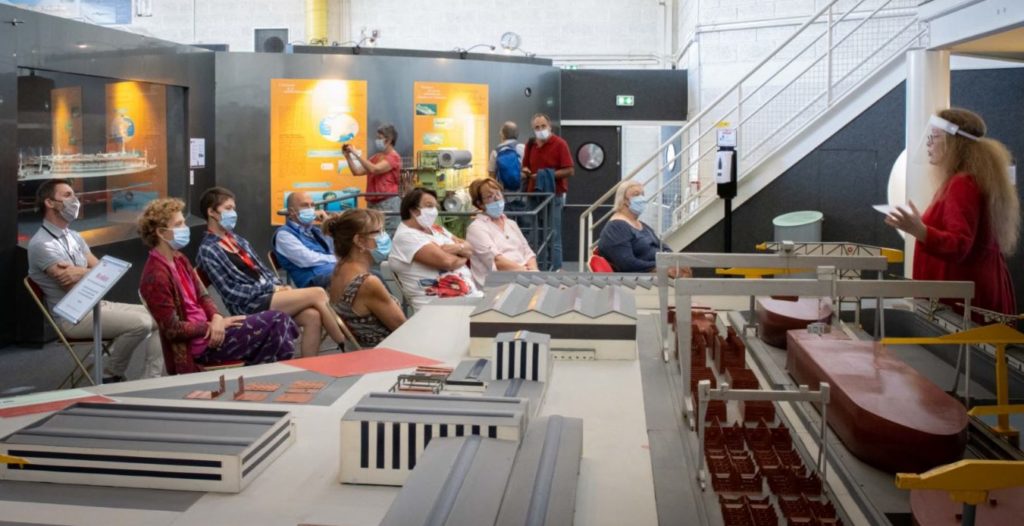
79, 165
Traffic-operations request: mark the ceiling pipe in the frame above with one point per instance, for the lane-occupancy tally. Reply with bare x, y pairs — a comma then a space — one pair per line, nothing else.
316, 22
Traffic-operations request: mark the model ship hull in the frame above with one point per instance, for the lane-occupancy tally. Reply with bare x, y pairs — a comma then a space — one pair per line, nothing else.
776, 316
885, 413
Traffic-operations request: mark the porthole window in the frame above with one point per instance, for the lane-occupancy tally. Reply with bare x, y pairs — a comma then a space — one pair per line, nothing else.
590, 156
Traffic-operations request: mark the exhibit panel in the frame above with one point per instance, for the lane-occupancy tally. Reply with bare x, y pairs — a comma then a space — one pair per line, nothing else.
500, 90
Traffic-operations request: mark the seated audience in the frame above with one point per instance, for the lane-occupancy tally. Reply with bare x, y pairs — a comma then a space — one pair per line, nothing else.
358, 296
58, 258
630, 245
192, 330
245, 283
497, 242
428, 260
302, 249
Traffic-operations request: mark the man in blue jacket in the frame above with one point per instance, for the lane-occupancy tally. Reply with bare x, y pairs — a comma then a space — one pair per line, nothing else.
302, 249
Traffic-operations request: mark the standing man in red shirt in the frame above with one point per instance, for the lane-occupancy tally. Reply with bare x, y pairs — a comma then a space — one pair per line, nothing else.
547, 166
382, 174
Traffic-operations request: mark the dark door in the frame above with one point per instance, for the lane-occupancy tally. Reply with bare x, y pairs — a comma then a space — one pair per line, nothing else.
597, 155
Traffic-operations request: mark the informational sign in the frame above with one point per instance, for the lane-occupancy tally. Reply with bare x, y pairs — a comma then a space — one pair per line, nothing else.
452, 116
726, 137
624, 100
78, 302
136, 146
310, 121
197, 153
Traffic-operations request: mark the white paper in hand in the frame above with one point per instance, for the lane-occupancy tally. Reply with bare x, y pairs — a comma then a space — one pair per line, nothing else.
888, 209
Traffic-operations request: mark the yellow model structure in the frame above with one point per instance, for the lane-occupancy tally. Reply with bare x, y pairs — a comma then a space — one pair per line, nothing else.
967, 482
999, 336
9, 460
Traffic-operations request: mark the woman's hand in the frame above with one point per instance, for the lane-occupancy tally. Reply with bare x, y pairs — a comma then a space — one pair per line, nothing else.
908, 221
215, 332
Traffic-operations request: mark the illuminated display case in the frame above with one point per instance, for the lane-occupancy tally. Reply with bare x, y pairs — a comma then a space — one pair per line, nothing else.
116, 141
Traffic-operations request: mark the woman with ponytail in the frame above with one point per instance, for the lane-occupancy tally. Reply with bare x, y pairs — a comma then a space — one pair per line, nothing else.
974, 219
359, 297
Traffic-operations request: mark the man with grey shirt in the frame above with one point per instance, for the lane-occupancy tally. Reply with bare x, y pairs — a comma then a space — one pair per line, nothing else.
58, 258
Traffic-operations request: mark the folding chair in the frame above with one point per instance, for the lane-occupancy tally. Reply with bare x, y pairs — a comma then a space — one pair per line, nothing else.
275, 265
68, 343
389, 275
202, 366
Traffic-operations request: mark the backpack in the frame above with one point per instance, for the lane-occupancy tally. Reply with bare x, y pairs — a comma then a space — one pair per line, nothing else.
508, 168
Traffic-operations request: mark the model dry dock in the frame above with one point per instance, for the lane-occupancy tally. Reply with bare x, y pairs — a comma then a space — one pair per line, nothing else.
600, 320
385, 433
146, 446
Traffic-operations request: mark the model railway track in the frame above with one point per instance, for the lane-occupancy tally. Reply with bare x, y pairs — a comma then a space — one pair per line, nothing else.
984, 444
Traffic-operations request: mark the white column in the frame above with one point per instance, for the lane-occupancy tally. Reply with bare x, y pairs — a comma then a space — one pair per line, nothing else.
927, 93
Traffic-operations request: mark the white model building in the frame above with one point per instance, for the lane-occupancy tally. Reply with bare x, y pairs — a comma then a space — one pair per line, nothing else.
521, 354
601, 320
384, 434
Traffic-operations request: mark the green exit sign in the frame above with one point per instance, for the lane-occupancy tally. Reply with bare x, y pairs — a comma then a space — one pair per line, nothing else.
623, 100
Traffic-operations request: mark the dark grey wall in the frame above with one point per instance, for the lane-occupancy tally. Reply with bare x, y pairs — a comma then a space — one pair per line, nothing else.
850, 171
243, 102
50, 43
589, 94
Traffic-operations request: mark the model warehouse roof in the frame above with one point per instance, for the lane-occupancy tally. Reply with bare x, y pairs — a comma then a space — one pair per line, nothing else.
567, 279
590, 301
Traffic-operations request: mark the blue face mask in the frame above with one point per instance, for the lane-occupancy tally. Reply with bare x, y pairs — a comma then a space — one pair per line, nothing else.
383, 247
181, 237
307, 215
228, 219
637, 204
495, 209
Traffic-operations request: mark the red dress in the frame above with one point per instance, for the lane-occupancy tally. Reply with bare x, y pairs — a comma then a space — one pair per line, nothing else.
960, 246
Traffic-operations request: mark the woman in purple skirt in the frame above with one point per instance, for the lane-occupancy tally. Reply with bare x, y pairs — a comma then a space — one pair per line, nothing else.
192, 332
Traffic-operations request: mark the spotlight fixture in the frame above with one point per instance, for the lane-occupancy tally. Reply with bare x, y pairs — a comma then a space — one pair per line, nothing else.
83, 46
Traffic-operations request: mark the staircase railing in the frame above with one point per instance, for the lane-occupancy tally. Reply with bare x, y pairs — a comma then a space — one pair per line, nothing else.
824, 61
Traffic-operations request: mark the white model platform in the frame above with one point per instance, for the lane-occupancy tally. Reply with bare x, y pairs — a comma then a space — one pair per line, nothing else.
144, 446
385, 433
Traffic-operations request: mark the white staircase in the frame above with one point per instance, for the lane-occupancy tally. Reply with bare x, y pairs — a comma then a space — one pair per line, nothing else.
833, 67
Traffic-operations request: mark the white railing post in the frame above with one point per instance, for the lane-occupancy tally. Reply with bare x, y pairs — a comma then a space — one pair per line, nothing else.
739, 123
828, 60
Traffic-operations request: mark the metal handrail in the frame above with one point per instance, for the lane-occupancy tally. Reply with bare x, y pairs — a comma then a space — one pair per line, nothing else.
587, 220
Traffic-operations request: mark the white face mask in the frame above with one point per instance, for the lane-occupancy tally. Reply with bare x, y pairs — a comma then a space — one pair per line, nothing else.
544, 134
427, 217
70, 210
380, 144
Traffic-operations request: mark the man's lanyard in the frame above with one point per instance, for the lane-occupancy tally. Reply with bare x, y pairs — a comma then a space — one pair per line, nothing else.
66, 245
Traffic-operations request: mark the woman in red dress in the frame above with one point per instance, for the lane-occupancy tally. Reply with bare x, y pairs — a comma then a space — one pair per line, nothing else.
974, 219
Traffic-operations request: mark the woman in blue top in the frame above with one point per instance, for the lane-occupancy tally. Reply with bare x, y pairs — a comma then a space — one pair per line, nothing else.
627, 243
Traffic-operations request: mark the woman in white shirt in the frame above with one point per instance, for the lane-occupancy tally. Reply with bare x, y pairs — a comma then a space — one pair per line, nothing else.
428, 260
497, 242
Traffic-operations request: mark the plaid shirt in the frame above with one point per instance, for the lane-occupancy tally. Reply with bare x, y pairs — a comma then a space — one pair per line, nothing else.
241, 293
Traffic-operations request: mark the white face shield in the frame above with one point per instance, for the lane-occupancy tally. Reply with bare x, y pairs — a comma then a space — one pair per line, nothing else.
932, 146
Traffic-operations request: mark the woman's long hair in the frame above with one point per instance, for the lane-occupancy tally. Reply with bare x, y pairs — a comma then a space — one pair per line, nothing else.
988, 161
344, 227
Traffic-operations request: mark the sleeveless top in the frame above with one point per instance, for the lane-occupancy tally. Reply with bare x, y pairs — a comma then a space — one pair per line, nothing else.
369, 330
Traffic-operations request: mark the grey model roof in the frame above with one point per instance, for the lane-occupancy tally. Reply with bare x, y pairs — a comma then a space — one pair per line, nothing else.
458, 481
400, 407
591, 301
542, 487
567, 279
149, 428
527, 336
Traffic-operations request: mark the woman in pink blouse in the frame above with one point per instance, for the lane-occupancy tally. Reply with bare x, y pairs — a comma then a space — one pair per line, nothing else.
497, 242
